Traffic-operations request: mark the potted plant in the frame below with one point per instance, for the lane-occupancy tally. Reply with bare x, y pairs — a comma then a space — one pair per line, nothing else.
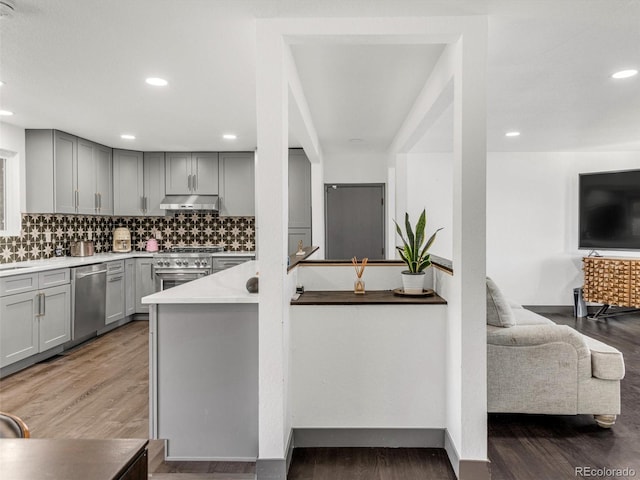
415, 253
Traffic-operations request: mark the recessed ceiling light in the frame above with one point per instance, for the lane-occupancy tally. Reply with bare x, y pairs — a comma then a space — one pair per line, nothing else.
512, 134
229, 136
624, 74
1, 83
157, 82
356, 140
127, 136
6, 113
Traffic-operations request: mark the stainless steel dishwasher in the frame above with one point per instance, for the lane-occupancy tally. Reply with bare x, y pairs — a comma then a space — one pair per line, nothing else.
88, 297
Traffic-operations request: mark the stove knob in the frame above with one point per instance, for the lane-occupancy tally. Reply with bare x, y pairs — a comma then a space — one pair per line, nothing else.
166, 263
178, 263
196, 263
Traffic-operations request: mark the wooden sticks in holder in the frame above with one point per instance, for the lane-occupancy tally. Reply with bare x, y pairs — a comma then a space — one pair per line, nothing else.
358, 285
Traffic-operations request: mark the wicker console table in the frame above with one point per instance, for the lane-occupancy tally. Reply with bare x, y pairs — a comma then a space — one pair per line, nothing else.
613, 282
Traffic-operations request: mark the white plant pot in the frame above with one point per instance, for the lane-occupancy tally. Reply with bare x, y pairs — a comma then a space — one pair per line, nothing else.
413, 283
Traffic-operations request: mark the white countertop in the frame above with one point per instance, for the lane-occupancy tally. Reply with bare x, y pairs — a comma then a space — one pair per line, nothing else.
227, 286
33, 266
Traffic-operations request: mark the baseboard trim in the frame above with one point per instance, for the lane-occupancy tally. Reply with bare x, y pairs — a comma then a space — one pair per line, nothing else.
466, 469
542, 309
369, 437
452, 453
271, 469
475, 470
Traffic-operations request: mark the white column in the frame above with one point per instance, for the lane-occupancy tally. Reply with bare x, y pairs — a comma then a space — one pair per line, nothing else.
317, 207
469, 239
272, 219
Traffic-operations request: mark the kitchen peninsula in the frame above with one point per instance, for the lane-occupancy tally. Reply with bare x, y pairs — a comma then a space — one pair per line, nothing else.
354, 369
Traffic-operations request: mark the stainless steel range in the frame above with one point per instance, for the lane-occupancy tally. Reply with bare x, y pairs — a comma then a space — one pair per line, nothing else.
182, 264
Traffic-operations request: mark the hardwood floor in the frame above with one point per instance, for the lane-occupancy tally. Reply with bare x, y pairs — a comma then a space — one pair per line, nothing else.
523, 447
100, 390
370, 464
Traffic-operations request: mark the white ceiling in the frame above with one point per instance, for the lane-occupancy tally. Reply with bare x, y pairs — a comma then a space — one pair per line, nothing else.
79, 66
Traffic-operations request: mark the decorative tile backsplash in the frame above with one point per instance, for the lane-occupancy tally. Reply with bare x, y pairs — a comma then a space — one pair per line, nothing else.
43, 233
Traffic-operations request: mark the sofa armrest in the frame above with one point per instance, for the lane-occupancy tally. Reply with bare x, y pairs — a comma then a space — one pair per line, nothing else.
530, 335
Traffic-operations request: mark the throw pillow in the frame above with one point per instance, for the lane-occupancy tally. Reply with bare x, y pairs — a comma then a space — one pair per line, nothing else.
499, 313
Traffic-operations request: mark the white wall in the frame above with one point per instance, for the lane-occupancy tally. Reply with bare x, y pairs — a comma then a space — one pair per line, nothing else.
429, 186
532, 216
532, 221
355, 168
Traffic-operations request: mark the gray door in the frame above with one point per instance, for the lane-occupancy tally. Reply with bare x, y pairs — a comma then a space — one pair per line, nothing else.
354, 221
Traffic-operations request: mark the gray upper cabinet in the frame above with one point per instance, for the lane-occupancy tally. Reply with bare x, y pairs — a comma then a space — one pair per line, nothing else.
67, 174
299, 199
138, 182
128, 181
191, 173
154, 182
94, 173
65, 179
237, 184
299, 190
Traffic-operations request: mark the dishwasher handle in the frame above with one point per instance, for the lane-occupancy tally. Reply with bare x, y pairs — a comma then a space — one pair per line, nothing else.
83, 275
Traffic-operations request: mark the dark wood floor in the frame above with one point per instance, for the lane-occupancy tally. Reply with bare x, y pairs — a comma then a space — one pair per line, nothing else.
523, 447
370, 464
100, 390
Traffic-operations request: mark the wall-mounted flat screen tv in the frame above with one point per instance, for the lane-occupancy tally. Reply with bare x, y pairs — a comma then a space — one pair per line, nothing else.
610, 210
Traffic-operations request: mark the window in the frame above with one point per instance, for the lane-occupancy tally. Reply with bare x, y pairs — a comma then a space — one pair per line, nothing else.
3, 203
9, 194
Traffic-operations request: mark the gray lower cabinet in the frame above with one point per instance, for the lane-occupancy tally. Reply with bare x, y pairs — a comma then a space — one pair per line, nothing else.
19, 327
114, 309
129, 287
145, 284
55, 318
237, 184
36, 320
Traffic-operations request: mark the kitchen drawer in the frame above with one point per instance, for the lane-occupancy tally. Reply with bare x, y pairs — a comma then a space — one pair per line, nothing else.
18, 284
115, 267
222, 263
52, 278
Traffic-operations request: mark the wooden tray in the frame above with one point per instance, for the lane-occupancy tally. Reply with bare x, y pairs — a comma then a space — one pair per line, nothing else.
425, 293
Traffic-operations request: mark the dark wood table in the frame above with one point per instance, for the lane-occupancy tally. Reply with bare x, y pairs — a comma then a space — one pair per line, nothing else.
371, 297
73, 459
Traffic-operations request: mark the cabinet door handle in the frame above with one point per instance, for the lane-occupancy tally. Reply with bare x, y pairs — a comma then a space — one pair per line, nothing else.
44, 304
189, 182
77, 201
146, 204
95, 202
115, 279
39, 300
99, 202
195, 183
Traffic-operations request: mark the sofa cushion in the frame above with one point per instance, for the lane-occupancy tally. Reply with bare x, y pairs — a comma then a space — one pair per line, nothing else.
522, 316
499, 313
606, 362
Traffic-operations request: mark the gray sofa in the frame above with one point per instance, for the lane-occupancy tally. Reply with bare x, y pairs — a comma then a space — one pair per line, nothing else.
537, 366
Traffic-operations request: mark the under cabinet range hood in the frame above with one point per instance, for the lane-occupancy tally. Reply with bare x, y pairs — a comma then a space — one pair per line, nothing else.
190, 202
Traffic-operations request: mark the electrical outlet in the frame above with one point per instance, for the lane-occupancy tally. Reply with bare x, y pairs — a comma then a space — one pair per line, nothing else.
158, 235
47, 237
